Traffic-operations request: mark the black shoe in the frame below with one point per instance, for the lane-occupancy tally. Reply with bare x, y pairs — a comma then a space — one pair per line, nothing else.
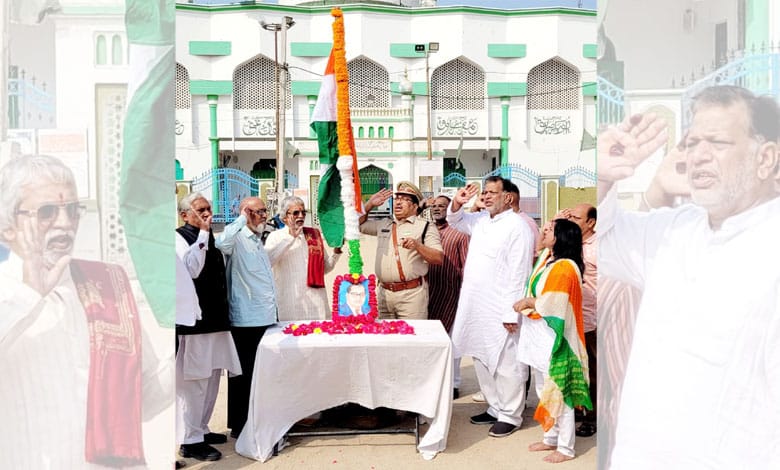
180, 464
455, 393
484, 418
586, 430
234, 433
214, 438
501, 429
200, 451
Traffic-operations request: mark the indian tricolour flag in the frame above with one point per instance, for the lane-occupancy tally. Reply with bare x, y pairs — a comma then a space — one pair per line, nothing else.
146, 195
330, 208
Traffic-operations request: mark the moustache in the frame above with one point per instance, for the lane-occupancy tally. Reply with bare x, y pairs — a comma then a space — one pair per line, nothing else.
59, 235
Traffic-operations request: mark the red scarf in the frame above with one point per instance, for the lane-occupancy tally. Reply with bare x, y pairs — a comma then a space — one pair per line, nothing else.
316, 271
113, 435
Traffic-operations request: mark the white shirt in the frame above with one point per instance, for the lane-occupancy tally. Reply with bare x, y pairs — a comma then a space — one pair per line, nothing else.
290, 263
494, 278
44, 366
702, 386
190, 260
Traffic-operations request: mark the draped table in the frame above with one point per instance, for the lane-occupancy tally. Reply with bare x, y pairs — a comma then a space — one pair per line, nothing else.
295, 377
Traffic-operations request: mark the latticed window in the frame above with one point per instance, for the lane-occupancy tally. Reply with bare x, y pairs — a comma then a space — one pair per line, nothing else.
254, 85
553, 85
183, 97
369, 84
458, 85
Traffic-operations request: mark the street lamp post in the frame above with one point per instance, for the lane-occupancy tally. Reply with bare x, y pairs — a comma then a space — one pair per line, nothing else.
281, 79
428, 48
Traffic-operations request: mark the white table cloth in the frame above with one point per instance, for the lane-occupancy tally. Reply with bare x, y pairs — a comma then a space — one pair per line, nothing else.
295, 377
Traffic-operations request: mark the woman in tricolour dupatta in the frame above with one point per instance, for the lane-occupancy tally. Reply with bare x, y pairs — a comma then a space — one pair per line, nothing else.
552, 340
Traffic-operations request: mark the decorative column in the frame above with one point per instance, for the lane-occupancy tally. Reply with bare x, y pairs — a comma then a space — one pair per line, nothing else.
312, 100
212, 100
505, 130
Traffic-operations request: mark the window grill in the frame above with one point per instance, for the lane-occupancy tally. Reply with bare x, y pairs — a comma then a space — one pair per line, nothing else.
254, 85
369, 84
183, 97
458, 84
553, 85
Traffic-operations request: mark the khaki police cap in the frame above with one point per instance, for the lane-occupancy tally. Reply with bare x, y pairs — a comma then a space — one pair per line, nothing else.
405, 187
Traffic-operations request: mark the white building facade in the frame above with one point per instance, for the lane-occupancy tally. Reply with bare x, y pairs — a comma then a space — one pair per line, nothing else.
512, 89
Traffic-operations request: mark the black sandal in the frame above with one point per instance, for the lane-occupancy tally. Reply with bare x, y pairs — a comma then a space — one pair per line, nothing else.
586, 430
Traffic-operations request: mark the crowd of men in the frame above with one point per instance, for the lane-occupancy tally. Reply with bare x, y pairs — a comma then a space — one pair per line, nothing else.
436, 267
711, 332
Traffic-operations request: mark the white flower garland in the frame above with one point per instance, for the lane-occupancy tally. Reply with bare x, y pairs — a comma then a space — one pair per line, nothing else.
351, 217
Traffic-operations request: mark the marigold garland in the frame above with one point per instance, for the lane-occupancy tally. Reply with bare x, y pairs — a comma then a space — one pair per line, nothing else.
347, 162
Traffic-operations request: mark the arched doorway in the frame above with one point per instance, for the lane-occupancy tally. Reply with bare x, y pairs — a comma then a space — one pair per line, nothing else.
372, 179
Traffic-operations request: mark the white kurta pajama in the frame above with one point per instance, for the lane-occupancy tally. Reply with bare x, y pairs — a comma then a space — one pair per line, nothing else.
708, 329
290, 262
200, 360
494, 277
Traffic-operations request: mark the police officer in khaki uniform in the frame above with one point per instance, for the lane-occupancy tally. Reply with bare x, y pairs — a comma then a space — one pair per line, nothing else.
405, 248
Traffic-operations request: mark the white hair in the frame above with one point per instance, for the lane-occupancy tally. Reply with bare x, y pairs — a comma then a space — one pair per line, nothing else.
288, 202
26, 170
186, 202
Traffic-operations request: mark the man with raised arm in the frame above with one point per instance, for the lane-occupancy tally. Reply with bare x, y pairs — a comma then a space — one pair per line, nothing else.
497, 268
406, 245
709, 318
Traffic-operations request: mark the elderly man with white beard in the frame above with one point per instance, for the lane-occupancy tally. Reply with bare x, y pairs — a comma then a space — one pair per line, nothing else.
70, 335
709, 320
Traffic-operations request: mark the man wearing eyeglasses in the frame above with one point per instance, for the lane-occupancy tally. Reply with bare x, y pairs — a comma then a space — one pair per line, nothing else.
251, 296
206, 348
406, 245
708, 321
70, 334
300, 261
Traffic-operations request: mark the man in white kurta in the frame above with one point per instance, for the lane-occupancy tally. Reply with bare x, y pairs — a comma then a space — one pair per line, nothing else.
288, 251
44, 330
496, 270
709, 319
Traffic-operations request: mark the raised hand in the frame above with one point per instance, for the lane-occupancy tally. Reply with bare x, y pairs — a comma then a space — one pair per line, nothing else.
35, 272
670, 179
379, 198
204, 221
621, 149
464, 195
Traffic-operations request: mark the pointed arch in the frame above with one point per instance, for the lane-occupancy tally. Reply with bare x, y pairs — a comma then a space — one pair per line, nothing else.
458, 84
369, 84
117, 50
254, 85
183, 96
101, 53
554, 84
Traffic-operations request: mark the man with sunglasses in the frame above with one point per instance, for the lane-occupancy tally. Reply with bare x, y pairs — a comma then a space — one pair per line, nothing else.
70, 334
300, 261
251, 297
406, 245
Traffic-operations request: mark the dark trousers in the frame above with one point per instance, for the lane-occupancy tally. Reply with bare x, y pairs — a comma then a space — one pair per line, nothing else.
590, 346
246, 340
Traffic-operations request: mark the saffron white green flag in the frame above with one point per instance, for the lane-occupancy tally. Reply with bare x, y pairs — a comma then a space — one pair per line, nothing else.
330, 209
146, 192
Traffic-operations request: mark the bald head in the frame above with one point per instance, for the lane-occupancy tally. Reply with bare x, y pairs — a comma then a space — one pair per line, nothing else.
256, 213
584, 215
